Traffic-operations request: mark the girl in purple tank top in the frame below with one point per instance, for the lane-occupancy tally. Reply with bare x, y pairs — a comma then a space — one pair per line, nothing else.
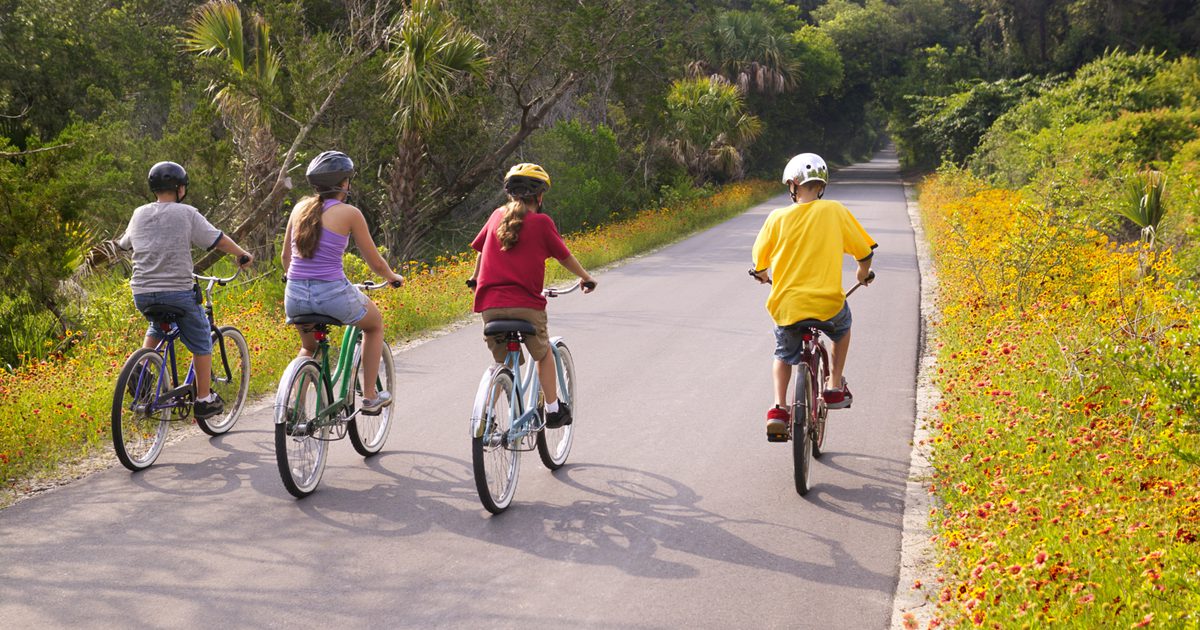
317, 233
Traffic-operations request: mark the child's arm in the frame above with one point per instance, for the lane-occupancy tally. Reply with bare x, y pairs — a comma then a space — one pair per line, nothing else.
864, 270
227, 245
574, 267
285, 250
473, 281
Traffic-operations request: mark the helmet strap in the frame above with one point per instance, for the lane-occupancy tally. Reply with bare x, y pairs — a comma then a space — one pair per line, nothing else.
179, 197
792, 190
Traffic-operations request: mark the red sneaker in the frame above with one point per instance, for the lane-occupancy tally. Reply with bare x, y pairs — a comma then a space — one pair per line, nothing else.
838, 398
778, 419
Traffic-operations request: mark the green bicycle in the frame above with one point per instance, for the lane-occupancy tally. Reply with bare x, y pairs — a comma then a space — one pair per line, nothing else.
315, 405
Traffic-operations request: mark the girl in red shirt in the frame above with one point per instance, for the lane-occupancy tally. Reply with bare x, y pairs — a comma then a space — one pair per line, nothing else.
513, 247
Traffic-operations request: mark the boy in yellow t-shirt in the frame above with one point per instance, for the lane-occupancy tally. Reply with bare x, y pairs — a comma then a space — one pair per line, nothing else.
803, 245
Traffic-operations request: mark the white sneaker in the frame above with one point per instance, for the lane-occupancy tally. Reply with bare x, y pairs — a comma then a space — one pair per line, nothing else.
372, 406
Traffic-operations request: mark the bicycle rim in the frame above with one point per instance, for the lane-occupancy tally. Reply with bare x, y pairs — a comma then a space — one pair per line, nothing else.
368, 433
231, 385
821, 410
801, 429
554, 445
138, 432
495, 465
300, 446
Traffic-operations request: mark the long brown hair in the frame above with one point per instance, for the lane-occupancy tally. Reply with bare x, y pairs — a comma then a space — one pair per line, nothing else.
306, 226
513, 220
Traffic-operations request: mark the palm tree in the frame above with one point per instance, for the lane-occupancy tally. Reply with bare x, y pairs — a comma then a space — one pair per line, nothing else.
709, 127
431, 53
247, 69
746, 50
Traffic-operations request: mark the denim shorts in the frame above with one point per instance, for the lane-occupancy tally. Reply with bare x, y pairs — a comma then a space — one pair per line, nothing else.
332, 298
194, 328
788, 338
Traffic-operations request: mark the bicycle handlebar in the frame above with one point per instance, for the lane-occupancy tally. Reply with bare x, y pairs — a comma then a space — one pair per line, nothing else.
368, 285
870, 279
223, 281
575, 287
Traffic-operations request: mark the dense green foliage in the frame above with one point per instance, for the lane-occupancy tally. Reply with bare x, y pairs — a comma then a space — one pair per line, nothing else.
435, 98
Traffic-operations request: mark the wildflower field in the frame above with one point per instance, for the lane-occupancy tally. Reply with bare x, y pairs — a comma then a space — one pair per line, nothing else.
1066, 440
57, 410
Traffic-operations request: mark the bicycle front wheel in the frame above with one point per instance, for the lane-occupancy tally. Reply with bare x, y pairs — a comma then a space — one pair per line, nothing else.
555, 444
301, 442
496, 467
368, 433
231, 384
820, 409
802, 443
138, 429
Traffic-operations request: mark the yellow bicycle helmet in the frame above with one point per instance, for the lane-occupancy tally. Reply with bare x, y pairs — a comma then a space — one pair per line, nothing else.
526, 180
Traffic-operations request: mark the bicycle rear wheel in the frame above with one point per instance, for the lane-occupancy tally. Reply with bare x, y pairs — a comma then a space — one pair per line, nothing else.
495, 466
300, 445
368, 433
554, 445
821, 410
802, 443
138, 430
231, 385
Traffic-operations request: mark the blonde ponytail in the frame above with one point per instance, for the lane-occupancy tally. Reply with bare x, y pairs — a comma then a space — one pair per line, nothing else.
511, 223
306, 228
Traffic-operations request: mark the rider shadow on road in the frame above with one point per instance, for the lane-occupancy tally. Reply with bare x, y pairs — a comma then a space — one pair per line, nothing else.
642, 523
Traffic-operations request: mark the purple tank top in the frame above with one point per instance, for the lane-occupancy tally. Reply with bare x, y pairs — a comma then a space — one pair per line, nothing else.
326, 263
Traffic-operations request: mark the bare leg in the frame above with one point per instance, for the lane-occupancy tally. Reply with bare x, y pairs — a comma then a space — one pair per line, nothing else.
783, 374
837, 356
548, 376
203, 365
372, 327
150, 342
308, 343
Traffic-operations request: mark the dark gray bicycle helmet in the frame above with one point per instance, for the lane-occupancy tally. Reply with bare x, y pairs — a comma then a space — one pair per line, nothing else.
167, 176
328, 170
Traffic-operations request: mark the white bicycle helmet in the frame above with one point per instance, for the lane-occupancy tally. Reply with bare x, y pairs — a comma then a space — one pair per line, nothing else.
804, 168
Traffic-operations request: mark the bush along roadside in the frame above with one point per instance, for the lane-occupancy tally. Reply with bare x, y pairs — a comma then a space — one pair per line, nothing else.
1065, 446
57, 410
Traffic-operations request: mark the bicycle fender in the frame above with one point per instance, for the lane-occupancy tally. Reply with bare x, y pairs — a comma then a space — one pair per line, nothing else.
281, 391
478, 410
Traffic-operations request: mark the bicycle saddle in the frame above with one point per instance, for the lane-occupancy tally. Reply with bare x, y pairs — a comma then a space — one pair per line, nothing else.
163, 312
502, 326
819, 324
314, 318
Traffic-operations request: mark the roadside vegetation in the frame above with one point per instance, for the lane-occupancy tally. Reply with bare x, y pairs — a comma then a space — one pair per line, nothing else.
1067, 443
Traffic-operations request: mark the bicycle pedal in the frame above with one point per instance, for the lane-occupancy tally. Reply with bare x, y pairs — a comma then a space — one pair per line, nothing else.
777, 437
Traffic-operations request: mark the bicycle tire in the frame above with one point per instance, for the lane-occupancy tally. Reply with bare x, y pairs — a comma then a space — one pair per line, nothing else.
368, 433
138, 435
821, 414
232, 387
496, 467
300, 449
554, 445
801, 429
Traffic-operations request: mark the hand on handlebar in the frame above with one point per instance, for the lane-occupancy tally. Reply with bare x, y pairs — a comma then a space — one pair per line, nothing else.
761, 276
865, 278
588, 285
245, 260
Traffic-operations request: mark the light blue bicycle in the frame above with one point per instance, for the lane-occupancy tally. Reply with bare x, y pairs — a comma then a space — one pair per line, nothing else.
508, 417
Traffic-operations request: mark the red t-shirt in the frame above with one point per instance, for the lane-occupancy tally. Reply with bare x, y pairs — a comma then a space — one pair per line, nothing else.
514, 278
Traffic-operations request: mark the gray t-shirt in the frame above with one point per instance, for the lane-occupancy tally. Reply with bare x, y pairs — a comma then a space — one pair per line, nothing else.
161, 235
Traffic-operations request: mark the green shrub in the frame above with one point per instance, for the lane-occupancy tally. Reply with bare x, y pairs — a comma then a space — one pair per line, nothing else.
583, 162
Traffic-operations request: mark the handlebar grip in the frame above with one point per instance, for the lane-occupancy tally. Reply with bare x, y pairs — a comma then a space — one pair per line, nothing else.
870, 276
589, 285
472, 283
243, 259
396, 284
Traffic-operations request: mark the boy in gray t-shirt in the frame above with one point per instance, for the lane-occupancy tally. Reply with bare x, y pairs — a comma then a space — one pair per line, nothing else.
161, 235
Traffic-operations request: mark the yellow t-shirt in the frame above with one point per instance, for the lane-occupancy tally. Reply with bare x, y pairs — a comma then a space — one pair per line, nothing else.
803, 245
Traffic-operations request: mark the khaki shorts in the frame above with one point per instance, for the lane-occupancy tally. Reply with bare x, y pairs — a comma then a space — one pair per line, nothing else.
538, 345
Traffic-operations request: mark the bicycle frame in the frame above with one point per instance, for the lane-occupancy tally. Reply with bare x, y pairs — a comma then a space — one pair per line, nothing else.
333, 392
525, 392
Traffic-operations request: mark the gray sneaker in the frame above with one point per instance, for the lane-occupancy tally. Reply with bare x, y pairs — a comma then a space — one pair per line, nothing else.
205, 410
373, 406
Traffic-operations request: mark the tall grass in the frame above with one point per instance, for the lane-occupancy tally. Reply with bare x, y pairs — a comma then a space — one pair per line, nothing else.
57, 408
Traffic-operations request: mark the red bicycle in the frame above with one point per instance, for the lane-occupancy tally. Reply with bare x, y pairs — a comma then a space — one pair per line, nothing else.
806, 431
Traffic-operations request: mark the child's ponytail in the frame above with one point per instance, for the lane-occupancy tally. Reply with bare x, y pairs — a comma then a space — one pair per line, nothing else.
511, 223
306, 232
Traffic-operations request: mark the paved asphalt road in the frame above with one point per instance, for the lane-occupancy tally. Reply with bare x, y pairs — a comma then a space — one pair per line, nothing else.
673, 511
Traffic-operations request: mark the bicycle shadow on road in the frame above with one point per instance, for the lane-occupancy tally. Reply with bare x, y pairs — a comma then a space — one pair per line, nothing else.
636, 521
